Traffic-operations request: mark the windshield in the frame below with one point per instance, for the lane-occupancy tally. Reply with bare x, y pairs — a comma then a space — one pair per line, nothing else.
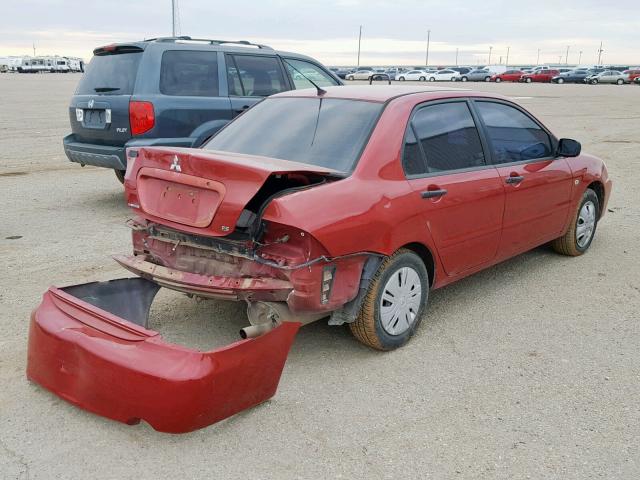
112, 74
324, 132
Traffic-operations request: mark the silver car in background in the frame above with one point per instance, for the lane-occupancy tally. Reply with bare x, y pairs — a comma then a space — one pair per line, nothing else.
608, 76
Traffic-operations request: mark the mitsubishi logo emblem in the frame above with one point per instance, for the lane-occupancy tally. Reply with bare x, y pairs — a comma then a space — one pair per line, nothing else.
91, 103
175, 166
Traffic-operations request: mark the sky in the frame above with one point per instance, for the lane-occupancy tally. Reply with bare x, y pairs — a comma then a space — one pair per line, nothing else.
393, 32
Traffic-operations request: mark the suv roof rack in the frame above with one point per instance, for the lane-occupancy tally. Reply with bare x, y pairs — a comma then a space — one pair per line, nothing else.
207, 40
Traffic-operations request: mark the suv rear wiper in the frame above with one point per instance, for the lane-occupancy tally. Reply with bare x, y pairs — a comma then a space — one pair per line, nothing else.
106, 89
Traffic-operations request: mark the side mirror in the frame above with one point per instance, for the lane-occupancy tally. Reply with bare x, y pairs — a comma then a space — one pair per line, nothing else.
568, 148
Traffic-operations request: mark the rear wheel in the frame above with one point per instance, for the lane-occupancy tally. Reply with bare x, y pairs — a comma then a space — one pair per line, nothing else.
432, 79
487, 79
120, 175
561, 80
620, 81
422, 79
528, 80
464, 79
498, 79
578, 238
401, 79
394, 303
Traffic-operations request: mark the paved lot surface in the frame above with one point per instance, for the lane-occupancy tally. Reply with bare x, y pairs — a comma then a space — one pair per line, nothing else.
527, 370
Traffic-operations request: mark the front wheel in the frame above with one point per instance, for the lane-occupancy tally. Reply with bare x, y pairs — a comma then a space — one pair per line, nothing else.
487, 79
498, 79
120, 175
528, 80
620, 81
394, 303
580, 234
594, 82
464, 79
401, 79
432, 79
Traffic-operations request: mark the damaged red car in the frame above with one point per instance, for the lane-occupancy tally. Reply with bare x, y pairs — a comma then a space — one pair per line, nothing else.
349, 204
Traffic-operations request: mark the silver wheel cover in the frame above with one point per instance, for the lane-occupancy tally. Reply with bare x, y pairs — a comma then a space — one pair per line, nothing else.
400, 301
586, 224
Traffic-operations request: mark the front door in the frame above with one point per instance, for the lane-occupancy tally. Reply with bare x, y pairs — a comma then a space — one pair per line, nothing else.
537, 185
460, 195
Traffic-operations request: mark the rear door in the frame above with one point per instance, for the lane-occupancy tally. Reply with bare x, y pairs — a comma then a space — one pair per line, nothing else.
99, 109
460, 194
253, 77
537, 185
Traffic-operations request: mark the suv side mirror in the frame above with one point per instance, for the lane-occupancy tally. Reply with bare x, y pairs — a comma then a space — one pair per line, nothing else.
568, 148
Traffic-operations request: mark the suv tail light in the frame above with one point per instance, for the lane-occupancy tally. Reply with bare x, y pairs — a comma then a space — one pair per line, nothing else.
141, 117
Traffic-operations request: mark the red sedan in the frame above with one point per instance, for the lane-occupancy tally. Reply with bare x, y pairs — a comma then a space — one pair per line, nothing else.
351, 203
508, 76
541, 76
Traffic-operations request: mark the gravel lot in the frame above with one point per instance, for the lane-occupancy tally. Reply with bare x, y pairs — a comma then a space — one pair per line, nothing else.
527, 370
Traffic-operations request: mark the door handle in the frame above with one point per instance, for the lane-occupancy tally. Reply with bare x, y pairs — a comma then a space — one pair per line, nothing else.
434, 193
513, 179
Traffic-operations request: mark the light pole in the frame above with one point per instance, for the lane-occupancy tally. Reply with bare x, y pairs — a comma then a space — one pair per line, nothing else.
580, 58
490, 48
600, 50
538, 59
359, 42
173, 18
566, 58
456, 57
506, 64
428, 41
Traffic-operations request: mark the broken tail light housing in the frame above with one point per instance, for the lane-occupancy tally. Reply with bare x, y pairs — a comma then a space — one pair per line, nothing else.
141, 117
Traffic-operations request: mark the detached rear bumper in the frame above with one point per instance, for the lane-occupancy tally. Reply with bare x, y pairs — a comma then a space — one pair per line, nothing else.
82, 349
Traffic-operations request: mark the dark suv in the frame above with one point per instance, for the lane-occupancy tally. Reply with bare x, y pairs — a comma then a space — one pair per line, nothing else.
174, 91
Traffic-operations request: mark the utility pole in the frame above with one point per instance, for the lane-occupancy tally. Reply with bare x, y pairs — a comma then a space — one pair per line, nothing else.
559, 59
490, 48
580, 58
456, 57
428, 41
359, 42
538, 59
566, 59
600, 50
34, 49
173, 18
506, 64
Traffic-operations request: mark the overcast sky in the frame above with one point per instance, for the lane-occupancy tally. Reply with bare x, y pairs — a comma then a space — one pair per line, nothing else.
394, 32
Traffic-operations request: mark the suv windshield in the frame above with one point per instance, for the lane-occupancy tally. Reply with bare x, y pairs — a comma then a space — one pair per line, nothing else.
111, 74
324, 132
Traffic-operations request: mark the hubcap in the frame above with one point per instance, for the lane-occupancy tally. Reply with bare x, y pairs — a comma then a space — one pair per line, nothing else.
586, 224
400, 301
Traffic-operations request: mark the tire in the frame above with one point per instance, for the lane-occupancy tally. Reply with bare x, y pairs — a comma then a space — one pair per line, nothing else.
560, 80
487, 79
368, 327
349, 77
422, 79
527, 80
498, 79
464, 79
401, 79
432, 79
571, 243
620, 81
594, 81
120, 175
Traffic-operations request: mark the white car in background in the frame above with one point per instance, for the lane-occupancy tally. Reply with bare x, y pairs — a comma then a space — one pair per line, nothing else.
419, 75
447, 75
360, 75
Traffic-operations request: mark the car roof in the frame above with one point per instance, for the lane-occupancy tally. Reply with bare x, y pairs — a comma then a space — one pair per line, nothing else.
385, 93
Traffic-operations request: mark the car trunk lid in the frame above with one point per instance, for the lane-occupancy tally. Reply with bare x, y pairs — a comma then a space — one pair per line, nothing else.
205, 192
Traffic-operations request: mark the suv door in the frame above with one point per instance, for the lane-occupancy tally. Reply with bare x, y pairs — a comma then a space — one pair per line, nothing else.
537, 185
460, 194
251, 78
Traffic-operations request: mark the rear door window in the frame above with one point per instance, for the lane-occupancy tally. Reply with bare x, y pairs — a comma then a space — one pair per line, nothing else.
514, 136
254, 75
448, 137
110, 74
299, 69
189, 73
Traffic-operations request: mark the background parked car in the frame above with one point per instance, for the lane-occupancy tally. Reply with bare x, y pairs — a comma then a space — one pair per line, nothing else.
478, 75
631, 74
540, 76
360, 75
342, 73
572, 76
508, 76
419, 75
608, 76
443, 75
167, 91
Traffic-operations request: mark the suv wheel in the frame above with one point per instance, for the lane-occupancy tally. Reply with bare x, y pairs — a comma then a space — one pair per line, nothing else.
120, 175
394, 303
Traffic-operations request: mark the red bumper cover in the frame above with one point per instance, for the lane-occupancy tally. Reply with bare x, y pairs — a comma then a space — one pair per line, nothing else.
116, 368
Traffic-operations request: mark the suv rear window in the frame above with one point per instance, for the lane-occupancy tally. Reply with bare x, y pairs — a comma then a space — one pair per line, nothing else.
324, 132
111, 74
189, 73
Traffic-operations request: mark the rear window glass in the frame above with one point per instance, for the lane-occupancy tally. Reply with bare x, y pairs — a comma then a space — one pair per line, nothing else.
324, 132
189, 73
113, 74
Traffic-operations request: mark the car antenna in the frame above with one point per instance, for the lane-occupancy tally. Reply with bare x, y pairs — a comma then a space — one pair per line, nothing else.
320, 90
